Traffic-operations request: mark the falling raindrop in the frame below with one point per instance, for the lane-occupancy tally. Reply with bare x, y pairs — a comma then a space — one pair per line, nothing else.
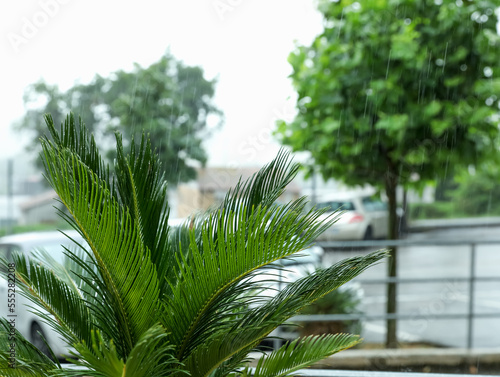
463, 67
356, 6
459, 3
474, 16
489, 12
489, 101
438, 2
388, 63
440, 62
407, 21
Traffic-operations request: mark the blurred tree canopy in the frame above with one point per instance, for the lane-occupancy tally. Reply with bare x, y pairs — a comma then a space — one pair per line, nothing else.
397, 93
171, 101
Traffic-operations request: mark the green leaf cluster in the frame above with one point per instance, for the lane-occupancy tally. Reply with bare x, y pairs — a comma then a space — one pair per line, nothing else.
144, 299
169, 99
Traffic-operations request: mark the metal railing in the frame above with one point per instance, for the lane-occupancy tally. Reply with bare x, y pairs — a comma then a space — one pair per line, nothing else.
471, 281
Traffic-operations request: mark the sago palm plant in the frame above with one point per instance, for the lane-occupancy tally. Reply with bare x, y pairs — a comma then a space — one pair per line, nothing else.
145, 299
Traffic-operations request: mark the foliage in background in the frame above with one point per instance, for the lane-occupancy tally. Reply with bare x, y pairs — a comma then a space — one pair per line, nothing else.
477, 192
435, 210
472, 193
146, 299
396, 93
170, 100
345, 300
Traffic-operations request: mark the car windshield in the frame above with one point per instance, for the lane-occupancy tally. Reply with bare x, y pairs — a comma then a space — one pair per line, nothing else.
336, 205
370, 204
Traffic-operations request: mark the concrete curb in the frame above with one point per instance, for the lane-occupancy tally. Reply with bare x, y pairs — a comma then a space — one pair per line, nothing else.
407, 358
423, 359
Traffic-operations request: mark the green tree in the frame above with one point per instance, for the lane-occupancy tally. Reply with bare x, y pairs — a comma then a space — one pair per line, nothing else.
172, 101
396, 92
146, 299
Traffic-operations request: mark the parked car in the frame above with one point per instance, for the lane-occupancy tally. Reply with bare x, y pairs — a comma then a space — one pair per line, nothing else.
364, 216
286, 270
26, 322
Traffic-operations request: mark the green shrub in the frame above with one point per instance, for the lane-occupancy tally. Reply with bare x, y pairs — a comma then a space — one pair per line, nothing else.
436, 210
341, 301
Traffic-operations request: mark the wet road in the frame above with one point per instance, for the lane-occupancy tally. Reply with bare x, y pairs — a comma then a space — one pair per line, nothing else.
421, 302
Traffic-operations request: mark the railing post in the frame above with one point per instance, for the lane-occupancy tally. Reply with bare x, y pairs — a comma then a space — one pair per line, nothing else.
470, 314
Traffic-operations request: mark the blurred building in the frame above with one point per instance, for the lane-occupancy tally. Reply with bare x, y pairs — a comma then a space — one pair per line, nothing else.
40, 209
210, 188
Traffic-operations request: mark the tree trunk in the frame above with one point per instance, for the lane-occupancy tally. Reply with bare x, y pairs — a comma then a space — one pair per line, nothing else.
391, 184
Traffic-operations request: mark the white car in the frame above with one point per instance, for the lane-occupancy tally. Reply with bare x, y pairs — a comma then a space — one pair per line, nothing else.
26, 322
288, 270
364, 216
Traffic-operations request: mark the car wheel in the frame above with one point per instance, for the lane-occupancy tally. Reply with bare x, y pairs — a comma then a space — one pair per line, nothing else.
368, 234
37, 337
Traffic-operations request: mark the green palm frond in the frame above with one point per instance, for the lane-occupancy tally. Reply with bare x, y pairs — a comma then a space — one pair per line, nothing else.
324, 280
265, 186
209, 275
302, 353
122, 259
66, 313
179, 235
29, 361
257, 323
77, 139
223, 352
138, 185
298, 294
67, 272
142, 189
99, 358
262, 189
151, 356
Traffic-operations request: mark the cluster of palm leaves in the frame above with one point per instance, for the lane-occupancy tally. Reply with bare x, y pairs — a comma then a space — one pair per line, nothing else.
142, 298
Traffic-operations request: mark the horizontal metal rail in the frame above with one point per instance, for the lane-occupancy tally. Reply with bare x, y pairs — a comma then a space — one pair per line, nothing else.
374, 317
471, 279
404, 242
427, 280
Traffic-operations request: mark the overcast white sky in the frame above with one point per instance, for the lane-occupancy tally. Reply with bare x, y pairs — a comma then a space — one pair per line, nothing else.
245, 43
